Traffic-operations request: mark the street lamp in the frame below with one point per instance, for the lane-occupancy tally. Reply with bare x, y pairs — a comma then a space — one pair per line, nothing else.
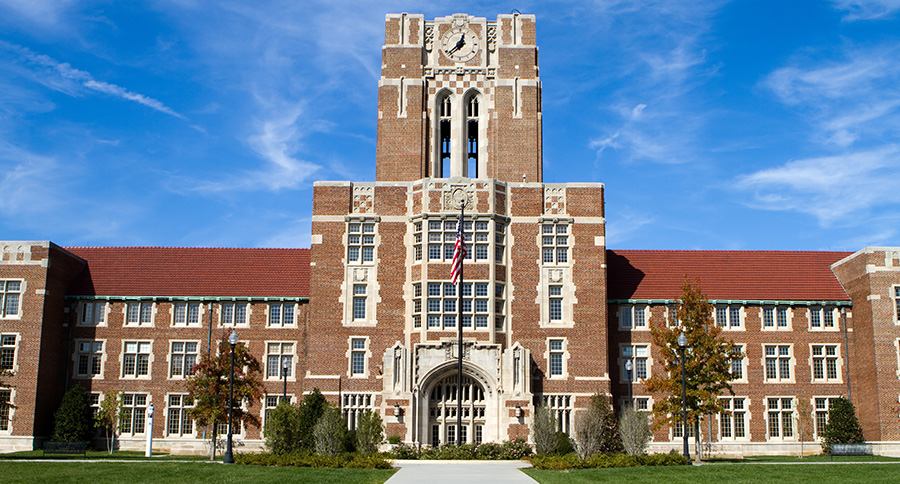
628, 366
682, 343
284, 370
229, 457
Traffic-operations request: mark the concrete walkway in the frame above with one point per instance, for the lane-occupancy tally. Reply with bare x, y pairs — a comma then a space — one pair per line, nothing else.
460, 471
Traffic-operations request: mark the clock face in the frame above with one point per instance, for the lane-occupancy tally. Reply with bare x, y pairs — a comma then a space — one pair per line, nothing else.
460, 44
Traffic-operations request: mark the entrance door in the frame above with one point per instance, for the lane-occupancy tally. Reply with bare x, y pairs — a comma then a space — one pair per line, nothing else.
442, 406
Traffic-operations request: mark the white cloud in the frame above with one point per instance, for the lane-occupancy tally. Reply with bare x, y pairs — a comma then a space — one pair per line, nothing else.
867, 9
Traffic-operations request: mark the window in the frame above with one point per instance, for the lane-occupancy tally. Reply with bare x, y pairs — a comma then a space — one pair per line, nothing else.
132, 415
94, 400
357, 356
136, 359
779, 414
641, 404
556, 356
178, 419
776, 318
417, 241
728, 317
360, 242
442, 239
234, 314
89, 360
733, 420
825, 363
637, 355
186, 314
281, 314
417, 305
896, 304
183, 358
5, 408
353, 405
821, 318
277, 355
270, 402
92, 314
737, 363
555, 303
672, 320
139, 314
633, 317
778, 361
359, 302
10, 298
678, 430
822, 407
442, 300
8, 351
555, 243
561, 408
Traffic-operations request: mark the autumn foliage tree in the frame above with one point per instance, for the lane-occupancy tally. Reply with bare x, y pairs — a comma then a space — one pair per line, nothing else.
707, 361
208, 386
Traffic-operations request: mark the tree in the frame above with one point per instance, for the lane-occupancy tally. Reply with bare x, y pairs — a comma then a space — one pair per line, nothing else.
543, 430
282, 429
707, 362
74, 418
208, 386
310, 411
597, 430
330, 432
369, 432
108, 418
842, 426
634, 428
804, 421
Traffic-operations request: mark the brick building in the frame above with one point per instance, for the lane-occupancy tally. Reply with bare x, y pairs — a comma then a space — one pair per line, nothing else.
369, 316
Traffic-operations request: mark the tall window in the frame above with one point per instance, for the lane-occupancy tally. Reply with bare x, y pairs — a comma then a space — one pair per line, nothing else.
825, 363
733, 420
359, 302
555, 243
89, 358
778, 362
633, 317
5, 408
357, 356
561, 408
360, 242
472, 137
183, 358
896, 304
136, 359
139, 314
555, 303
354, 404
281, 314
776, 318
417, 241
277, 355
234, 314
442, 299
178, 419
133, 414
638, 356
92, 313
10, 297
728, 316
442, 239
7, 351
186, 314
444, 130
821, 318
737, 363
557, 353
779, 414
823, 406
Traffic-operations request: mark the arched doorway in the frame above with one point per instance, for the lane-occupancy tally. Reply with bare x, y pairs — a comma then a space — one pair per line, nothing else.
442, 411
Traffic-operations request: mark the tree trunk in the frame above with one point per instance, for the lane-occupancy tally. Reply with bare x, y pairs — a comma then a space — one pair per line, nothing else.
697, 442
212, 443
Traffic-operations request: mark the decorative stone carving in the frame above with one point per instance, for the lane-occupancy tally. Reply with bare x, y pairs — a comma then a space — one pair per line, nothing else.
452, 350
457, 196
492, 37
429, 37
555, 275
360, 274
554, 200
363, 199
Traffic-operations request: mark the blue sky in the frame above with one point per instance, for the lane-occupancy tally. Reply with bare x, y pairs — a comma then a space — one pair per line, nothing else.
714, 124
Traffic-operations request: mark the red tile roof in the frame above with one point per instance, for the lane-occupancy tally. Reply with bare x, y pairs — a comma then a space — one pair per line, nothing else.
179, 271
725, 274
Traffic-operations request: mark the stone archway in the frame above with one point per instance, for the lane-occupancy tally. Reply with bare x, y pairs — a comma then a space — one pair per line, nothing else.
438, 403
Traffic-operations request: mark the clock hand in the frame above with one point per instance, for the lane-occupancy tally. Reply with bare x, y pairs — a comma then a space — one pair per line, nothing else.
459, 43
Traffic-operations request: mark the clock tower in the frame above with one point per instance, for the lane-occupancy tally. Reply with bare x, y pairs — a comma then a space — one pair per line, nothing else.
459, 96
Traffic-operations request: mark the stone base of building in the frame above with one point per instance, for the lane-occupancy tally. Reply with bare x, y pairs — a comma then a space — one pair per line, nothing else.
10, 443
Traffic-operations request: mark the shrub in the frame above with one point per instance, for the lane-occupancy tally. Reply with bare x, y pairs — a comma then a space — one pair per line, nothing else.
306, 459
282, 429
564, 444
842, 426
394, 439
510, 450
330, 432
543, 430
309, 412
74, 420
369, 432
403, 451
597, 430
516, 449
572, 461
634, 428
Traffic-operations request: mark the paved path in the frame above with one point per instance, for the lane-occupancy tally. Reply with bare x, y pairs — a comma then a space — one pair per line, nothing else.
460, 471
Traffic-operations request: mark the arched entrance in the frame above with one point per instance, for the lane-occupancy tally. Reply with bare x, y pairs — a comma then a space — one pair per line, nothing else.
442, 410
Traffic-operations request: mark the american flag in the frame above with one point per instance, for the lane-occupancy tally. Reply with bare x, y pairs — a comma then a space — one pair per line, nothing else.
459, 253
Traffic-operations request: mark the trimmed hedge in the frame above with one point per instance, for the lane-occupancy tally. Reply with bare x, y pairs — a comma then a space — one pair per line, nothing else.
510, 450
601, 461
302, 459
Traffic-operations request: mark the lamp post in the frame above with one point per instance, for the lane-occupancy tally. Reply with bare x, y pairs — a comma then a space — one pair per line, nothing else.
682, 343
628, 366
284, 370
229, 457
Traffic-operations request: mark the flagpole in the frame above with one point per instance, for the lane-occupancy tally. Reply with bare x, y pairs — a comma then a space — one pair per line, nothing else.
459, 302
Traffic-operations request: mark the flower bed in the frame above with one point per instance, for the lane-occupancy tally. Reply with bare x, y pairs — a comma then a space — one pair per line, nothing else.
510, 450
599, 461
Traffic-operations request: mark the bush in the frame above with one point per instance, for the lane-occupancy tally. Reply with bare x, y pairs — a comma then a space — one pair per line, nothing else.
330, 432
369, 432
394, 439
842, 426
599, 461
309, 412
306, 459
543, 430
597, 430
282, 429
74, 420
634, 428
564, 444
510, 450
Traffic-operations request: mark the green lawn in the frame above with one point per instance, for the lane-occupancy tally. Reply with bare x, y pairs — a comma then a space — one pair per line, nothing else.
727, 473
169, 472
102, 455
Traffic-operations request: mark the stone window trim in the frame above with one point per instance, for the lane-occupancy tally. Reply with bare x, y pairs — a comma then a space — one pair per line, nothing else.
361, 240
360, 297
776, 317
281, 315
178, 360
783, 360
640, 356
9, 351
139, 314
435, 305
562, 406
821, 405
557, 353
276, 353
729, 317
92, 313
355, 403
236, 314
744, 362
823, 318
133, 413
556, 298
826, 359
738, 415
135, 359
781, 416
12, 293
269, 402
89, 355
187, 314
8, 413
641, 403
556, 241
177, 418
634, 317
895, 293
358, 347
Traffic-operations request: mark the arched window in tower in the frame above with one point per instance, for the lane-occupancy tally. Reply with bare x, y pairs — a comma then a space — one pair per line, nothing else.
444, 123
472, 137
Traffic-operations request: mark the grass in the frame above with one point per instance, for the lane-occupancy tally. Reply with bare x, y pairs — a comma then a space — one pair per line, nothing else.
102, 455
168, 472
807, 459
732, 474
